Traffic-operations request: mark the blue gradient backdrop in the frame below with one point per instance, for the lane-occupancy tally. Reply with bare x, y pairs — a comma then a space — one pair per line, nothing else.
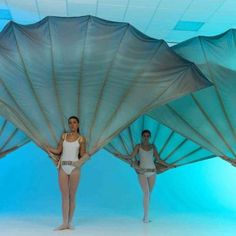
29, 185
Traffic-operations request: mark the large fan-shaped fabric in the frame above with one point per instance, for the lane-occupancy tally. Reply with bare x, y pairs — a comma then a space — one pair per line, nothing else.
107, 73
173, 148
208, 116
11, 138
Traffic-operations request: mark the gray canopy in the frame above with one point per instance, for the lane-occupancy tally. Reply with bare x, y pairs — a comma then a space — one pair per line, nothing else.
107, 73
208, 116
172, 147
11, 138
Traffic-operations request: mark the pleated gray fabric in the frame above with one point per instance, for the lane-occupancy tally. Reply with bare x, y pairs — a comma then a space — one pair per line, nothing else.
11, 138
106, 73
208, 116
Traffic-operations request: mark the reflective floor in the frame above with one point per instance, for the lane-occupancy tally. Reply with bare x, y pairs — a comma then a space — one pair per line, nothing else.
93, 224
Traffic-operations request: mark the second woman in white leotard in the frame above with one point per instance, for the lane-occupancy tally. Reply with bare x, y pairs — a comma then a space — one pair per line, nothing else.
72, 148
147, 173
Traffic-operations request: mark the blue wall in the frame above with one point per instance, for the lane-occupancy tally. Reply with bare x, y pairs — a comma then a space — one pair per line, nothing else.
28, 184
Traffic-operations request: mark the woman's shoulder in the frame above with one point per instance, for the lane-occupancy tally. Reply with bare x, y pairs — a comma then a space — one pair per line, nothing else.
63, 136
82, 139
154, 148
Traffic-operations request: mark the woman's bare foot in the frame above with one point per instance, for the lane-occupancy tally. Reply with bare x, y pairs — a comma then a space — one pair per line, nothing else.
146, 220
71, 227
62, 227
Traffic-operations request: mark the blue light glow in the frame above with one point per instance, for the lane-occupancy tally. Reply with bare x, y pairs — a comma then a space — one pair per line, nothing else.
188, 25
5, 14
29, 185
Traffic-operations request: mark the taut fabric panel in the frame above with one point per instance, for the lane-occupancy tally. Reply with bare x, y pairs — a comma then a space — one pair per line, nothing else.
208, 116
172, 147
107, 73
11, 138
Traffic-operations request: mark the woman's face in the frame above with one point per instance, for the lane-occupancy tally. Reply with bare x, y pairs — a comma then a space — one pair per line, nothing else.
73, 124
145, 137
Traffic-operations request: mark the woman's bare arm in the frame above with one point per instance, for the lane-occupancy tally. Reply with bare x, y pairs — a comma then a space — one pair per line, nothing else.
57, 150
82, 149
83, 154
131, 156
157, 156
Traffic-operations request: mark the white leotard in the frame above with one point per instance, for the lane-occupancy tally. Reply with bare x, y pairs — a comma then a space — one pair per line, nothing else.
70, 152
146, 161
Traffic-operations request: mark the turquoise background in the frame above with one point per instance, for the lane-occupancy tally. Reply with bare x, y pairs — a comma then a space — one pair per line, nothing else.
29, 185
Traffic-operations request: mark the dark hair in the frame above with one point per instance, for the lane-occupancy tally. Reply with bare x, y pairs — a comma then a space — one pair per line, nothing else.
146, 131
76, 118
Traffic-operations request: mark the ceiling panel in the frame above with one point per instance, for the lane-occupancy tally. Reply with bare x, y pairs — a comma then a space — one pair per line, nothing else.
81, 8
157, 18
23, 11
114, 2
52, 7
139, 17
110, 12
144, 4
3, 4
174, 5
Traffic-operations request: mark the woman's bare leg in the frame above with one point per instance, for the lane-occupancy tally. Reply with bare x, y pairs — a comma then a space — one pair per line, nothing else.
151, 183
74, 181
145, 187
64, 187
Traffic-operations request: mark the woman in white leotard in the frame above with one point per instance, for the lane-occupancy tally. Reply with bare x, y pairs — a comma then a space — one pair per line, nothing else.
72, 149
147, 169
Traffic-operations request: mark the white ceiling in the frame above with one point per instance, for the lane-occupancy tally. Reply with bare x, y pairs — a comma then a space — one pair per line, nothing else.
156, 18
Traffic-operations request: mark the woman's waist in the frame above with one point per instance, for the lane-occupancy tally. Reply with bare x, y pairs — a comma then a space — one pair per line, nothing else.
147, 165
66, 163
69, 158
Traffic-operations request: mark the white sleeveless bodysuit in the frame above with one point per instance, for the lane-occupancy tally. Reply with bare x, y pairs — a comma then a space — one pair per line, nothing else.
146, 161
70, 153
